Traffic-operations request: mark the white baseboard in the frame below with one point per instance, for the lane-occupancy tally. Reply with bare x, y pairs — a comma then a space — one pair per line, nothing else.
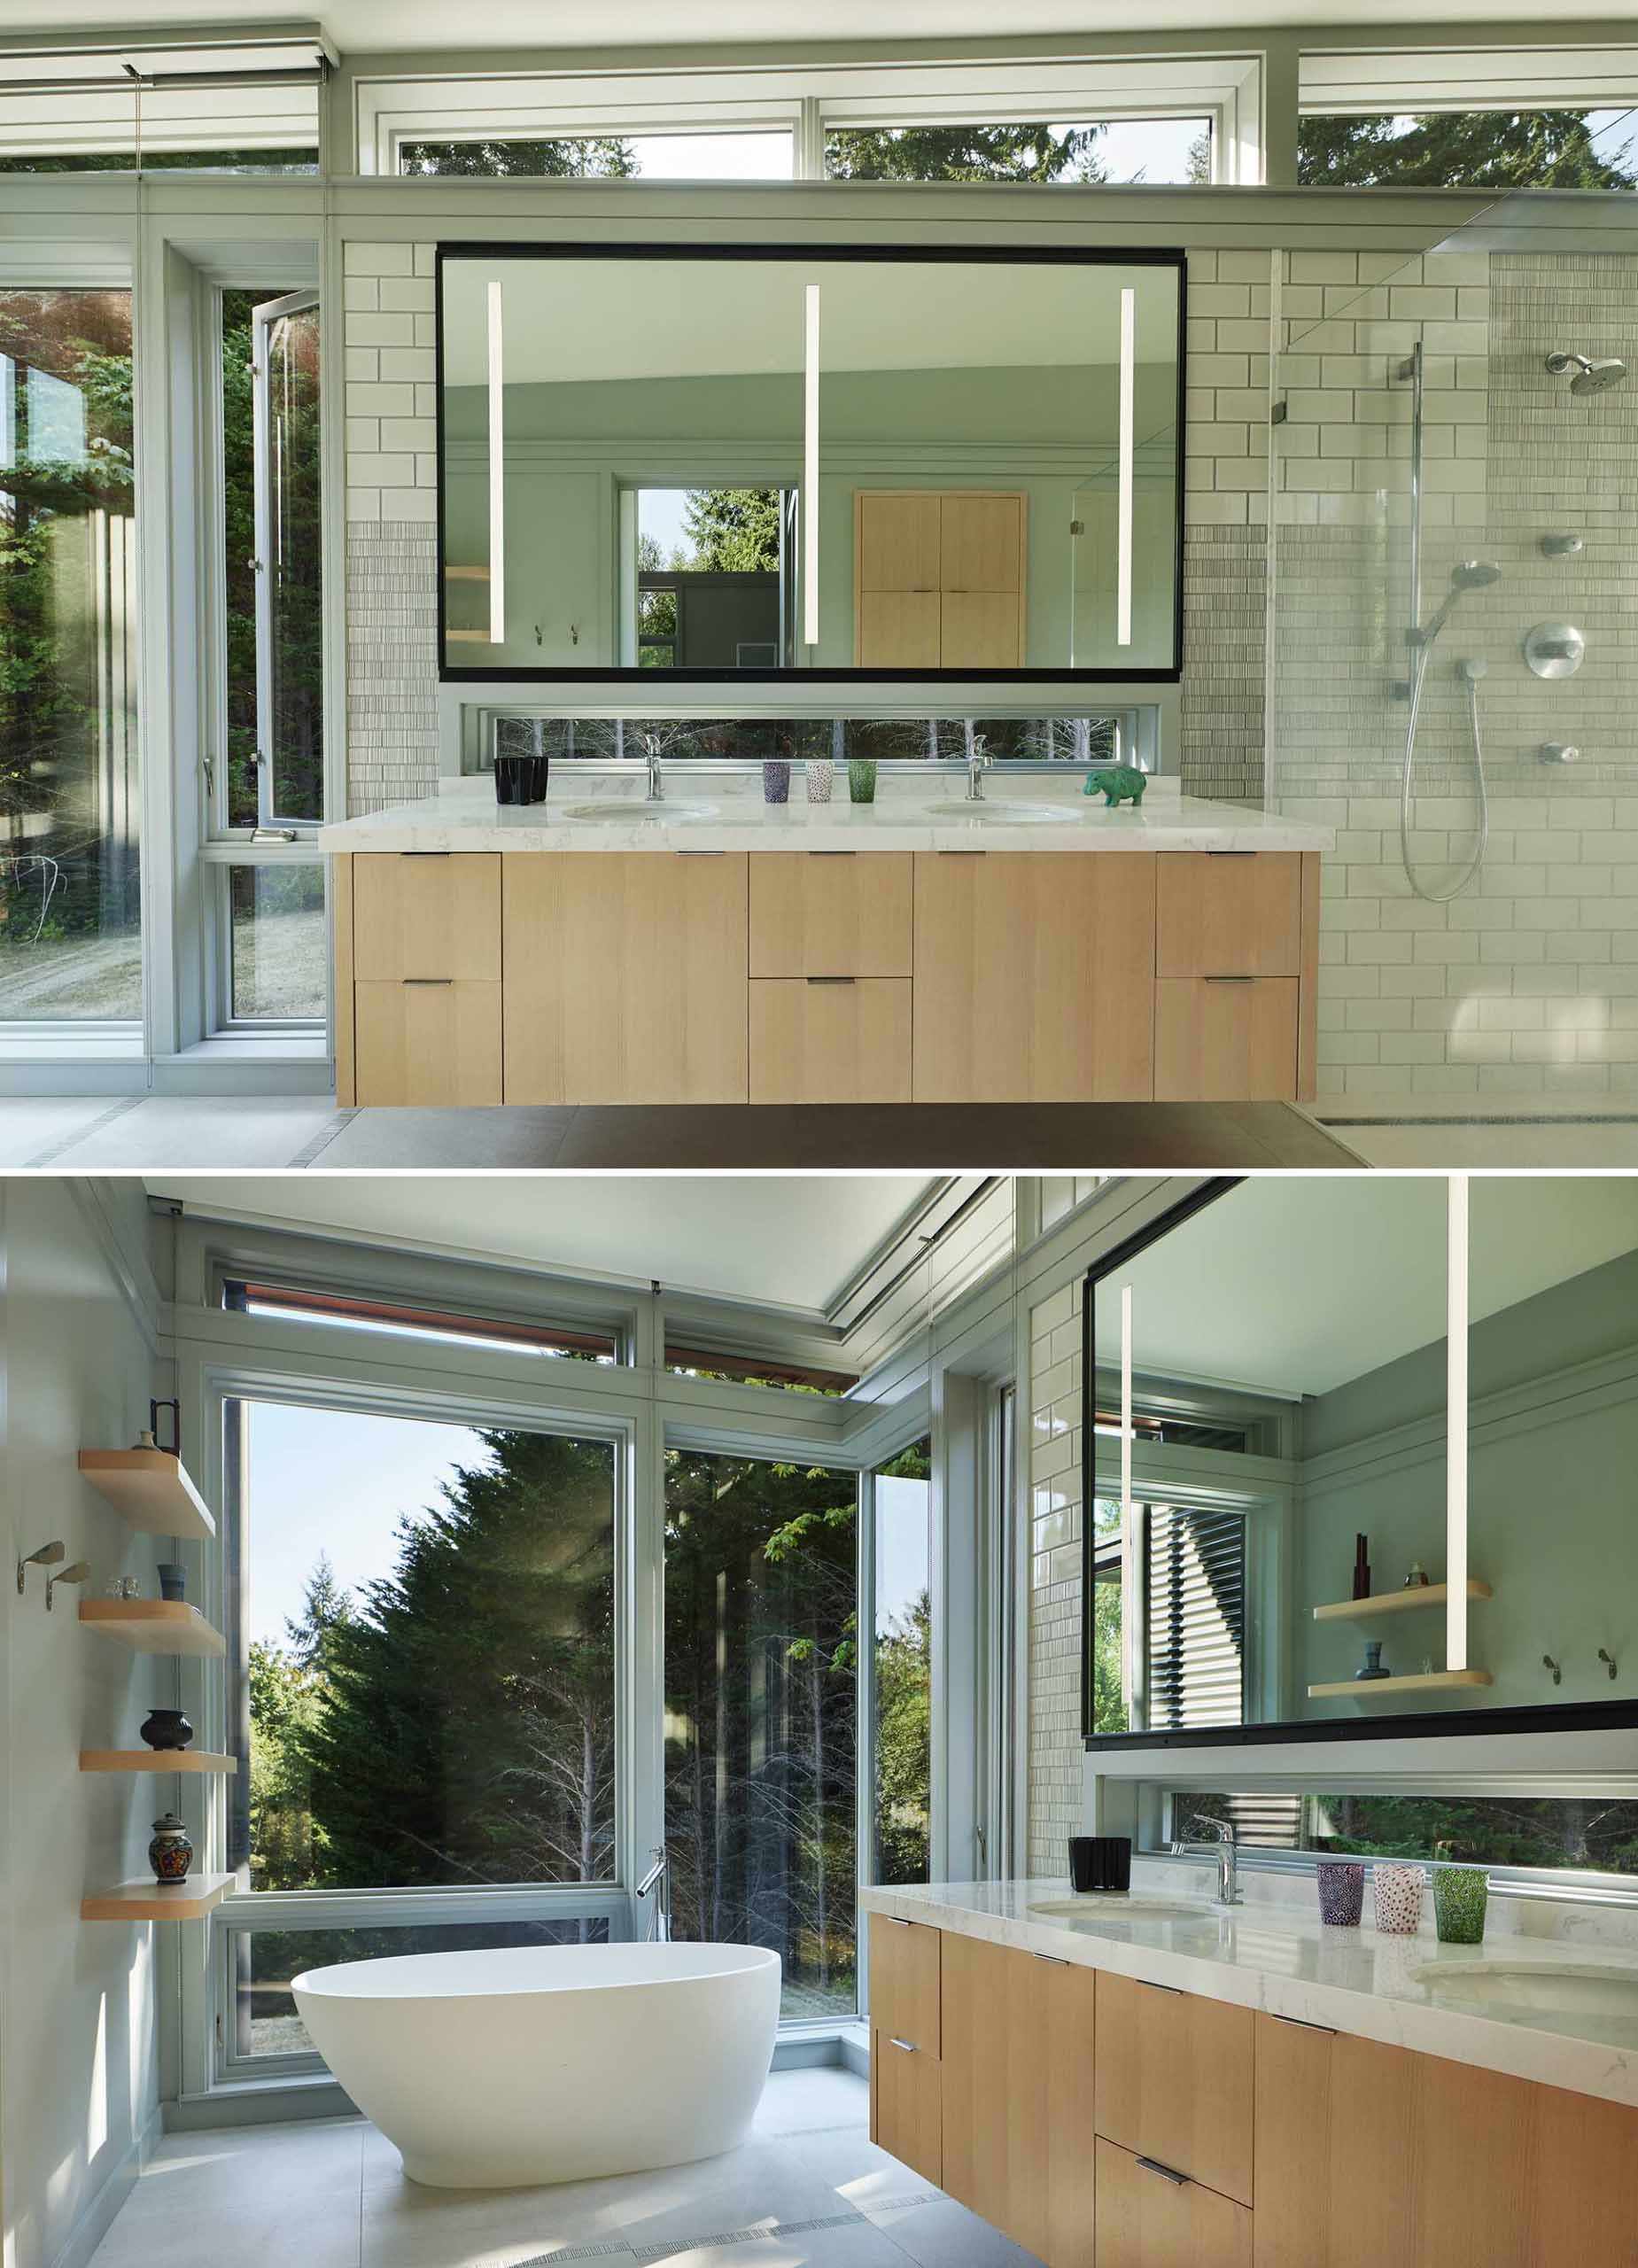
98, 2217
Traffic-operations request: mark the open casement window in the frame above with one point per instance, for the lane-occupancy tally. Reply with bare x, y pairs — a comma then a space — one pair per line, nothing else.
289, 723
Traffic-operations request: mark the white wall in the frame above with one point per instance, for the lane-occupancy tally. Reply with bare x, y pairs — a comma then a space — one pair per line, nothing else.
79, 2071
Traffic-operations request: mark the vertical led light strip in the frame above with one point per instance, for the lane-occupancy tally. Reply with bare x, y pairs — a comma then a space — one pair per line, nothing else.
497, 473
1129, 1550
1456, 1424
811, 470
1123, 541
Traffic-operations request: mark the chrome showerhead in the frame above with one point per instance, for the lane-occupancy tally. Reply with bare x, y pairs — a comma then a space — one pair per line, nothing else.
1467, 575
1592, 375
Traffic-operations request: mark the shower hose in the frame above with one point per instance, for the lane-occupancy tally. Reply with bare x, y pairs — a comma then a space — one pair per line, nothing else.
1418, 674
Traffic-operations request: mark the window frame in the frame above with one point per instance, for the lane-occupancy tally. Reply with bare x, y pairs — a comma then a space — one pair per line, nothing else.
301, 301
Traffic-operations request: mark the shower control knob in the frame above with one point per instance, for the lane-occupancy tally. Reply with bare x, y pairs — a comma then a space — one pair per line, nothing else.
1555, 648
1561, 546
1558, 752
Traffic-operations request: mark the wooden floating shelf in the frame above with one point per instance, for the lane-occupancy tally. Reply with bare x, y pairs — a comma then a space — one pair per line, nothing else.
150, 1489
1366, 1610
157, 1760
153, 1902
470, 637
1437, 1681
466, 575
154, 1625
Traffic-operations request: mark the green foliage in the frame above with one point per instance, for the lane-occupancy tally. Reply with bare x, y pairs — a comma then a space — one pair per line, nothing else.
903, 1738
733, 531
603, 156
1108, 1703
975, 153
1486, 148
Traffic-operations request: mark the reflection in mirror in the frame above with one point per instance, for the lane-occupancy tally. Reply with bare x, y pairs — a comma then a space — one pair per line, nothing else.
720, 464
1287, 1397
1553, 1439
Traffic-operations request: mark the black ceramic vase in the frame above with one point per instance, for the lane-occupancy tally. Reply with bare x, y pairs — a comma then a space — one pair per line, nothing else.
167, 1728
170, 1854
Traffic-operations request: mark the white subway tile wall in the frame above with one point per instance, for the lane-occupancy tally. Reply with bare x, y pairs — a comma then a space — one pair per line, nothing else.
393, 503
1528, 984
1054, 1418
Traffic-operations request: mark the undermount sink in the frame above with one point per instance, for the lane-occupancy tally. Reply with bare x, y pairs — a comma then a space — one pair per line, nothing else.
617, 814
990, 814
1120, 1906
1534, 1992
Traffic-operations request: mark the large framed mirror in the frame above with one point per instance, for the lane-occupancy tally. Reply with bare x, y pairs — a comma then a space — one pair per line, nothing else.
736, 463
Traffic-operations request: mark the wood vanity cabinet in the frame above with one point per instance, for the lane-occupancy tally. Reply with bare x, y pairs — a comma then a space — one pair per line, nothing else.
680, 976
1147, 2218
907, 2083
1175, 2081
1018, 2035
1367, 2153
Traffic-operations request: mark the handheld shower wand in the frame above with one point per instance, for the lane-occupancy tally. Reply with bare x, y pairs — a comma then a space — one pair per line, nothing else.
1467, 575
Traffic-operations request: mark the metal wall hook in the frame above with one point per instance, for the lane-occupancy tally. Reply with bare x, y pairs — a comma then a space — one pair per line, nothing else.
1548, 1663
77, 1573
47, 1556
1608, 1660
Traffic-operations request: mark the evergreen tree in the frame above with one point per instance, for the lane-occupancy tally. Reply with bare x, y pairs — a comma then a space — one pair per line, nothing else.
733, 531
601, 155
1483, 149
974, 153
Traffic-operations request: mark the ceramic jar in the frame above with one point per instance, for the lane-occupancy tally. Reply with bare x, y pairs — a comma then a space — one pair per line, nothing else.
1341, 1891
1460, 1897
821, 774
167, 1728
1397, 1893
861, 779
172, 1579
170, 1854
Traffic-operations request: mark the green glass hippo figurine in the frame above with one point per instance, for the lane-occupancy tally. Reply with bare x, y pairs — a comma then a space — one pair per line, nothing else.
1120, 783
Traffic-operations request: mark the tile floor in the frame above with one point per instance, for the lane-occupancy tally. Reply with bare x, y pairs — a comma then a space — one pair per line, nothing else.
807, 2190
134, 1134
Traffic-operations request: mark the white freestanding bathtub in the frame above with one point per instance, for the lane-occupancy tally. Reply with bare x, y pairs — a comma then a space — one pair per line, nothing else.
549, 2063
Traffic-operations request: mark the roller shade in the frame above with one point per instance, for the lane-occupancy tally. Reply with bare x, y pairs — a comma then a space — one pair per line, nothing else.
1196, 1617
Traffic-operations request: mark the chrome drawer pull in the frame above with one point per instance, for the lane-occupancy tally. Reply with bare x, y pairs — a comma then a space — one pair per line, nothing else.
1056, 1959
1301, 2024
833, 854
833, 980
909, 2045
1150, 1985
961, 854
699, 854
1230, 854
1167, 2173
428, 980
424, 854
1229, 979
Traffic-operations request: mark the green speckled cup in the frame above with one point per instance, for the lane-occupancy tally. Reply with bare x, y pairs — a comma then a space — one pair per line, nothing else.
861, 779
1460, 1896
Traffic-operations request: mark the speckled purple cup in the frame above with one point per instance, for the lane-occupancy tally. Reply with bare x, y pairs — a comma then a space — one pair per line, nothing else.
776, 779
1341, 1891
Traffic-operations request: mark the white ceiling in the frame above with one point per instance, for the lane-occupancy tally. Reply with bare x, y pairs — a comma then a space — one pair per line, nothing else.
784, 1241
361, 25
1298, 1285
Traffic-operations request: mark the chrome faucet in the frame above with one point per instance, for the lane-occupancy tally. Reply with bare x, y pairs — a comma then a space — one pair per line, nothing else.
658, 1880
651, 757
977, 758
1227, 1857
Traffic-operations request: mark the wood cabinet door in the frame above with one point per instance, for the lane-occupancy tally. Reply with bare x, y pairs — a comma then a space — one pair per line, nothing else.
830, 913
980, 630
980, 541
1175, 2081
426, 915
1225, 1038
904, 1980
1018, 2075
1034, 977
830, 1039
626, 977
431, 1042
897, 539
906, 2103
1229, 914
1146, 2220
1367, 2153
896, 630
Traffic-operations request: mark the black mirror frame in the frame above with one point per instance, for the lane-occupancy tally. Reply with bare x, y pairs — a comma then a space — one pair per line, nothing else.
1567, 1716
1101, 256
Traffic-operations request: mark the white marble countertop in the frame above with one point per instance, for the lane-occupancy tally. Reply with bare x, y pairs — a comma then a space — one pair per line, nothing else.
1354, 1980
464, 816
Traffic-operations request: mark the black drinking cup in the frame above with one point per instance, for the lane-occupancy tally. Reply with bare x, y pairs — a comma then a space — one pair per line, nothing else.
1100, 1862
540, 771
512, 779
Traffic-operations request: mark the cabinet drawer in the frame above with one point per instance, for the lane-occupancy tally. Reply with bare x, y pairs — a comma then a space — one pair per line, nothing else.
426, 916
1225, 1039
830, 1039
433, 1042
1174, 2081
1145, 2219
904, 1981
835, 914
906, 2103
1230, 915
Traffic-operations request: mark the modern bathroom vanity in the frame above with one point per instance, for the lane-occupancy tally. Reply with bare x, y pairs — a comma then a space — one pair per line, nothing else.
1161, 2083
711, 948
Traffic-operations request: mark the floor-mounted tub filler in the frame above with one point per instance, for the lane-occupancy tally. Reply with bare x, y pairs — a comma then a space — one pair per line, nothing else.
541, 2064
